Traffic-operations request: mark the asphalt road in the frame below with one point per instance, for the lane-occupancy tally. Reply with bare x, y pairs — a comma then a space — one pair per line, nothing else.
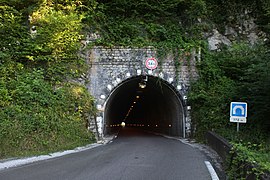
133, 155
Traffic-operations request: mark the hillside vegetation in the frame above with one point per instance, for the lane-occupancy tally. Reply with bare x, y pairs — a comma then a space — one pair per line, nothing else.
41, 110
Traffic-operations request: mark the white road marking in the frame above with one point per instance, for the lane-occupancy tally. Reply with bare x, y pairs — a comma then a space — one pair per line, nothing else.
28, 160
211, 170
23, 161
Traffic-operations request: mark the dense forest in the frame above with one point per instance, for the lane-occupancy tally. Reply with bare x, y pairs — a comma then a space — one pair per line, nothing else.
43, 109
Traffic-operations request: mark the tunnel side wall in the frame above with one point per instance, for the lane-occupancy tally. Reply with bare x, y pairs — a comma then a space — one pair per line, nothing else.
108, 67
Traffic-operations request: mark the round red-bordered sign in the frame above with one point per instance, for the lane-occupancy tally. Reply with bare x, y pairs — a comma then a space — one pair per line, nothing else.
151, 63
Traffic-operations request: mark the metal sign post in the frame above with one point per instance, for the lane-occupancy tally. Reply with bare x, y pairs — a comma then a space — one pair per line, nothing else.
238, 113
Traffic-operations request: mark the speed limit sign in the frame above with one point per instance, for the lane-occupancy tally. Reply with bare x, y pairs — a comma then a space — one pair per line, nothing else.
151, 63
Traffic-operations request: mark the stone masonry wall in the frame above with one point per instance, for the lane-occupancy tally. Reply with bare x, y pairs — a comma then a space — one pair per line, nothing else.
110, 66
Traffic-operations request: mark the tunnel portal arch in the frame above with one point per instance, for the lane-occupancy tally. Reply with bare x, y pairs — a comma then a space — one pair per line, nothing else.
113, 78
157, 107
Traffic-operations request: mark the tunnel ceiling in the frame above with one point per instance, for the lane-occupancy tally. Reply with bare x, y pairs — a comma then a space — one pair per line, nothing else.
157, 106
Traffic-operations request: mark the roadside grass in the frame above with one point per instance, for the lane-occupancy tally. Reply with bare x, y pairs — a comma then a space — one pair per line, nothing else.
32, 148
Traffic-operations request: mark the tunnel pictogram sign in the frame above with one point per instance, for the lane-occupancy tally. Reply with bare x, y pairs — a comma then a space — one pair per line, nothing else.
238, 112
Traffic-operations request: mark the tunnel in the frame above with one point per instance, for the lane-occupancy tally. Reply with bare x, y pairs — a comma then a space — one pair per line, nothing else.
145, 102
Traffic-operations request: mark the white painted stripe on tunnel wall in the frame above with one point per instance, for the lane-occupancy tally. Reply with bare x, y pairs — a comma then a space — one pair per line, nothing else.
211, 170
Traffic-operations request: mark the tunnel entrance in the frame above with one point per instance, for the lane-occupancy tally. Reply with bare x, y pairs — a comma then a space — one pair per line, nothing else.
146, 102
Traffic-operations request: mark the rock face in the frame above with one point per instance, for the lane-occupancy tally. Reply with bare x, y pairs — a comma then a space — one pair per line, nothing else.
216, 40
240, 28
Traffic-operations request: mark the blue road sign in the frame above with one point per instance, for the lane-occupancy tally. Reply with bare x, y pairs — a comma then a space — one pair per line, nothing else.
238, 109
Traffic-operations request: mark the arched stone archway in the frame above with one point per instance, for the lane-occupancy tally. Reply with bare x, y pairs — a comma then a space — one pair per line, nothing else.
116, 72
157, 107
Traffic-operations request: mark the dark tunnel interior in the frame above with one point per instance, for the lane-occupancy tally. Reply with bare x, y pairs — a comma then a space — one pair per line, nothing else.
144, 102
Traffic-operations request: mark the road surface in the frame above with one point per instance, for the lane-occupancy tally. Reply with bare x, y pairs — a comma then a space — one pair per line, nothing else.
133, 155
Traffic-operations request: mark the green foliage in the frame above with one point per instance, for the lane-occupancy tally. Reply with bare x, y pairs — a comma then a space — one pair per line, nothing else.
248, 67
210, 96
248, 159
11, 33
56, 42
40, 111
37, 117
53, 44
238, 73
256, 82
133, 8
143, 23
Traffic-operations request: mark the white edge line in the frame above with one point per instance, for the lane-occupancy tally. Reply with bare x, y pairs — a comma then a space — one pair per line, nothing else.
209, 166
211, 170
24, 161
